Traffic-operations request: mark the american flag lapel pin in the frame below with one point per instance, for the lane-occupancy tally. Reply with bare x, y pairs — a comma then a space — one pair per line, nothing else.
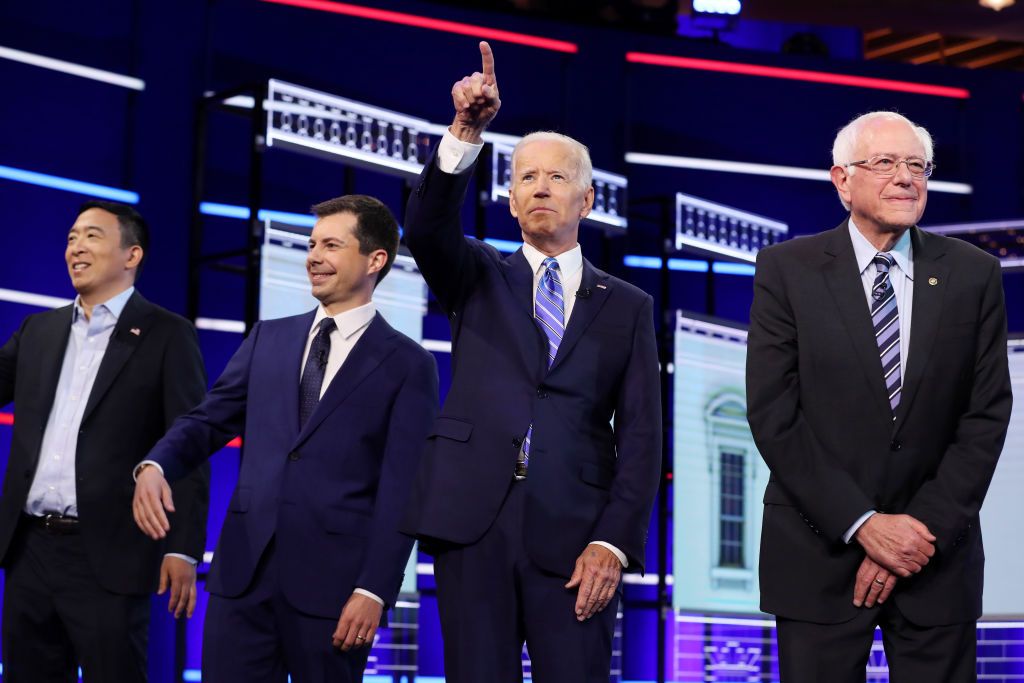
136, 331
602, 287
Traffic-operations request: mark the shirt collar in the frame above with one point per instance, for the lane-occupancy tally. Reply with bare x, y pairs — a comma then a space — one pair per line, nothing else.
349, 322
569, 262
114, 306
864, 251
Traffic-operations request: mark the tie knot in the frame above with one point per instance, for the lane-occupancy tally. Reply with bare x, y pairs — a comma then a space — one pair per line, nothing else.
551, 263
327, 325
883, 262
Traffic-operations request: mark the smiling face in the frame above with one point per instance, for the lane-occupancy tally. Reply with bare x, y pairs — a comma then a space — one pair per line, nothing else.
99, 266
884, 206
341, 277
546, 196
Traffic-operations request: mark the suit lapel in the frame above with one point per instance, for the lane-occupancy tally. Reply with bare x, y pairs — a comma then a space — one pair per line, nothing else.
368, 353
595, 288
843, 281
131, 328
519, 277
924, 322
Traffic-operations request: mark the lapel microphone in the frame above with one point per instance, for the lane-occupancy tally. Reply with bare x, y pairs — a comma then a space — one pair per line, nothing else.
583, 293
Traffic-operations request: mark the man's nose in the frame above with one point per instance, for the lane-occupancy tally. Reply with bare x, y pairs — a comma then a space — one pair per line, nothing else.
902, 175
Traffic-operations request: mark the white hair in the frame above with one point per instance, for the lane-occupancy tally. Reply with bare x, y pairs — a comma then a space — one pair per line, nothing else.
845, 144
579, 152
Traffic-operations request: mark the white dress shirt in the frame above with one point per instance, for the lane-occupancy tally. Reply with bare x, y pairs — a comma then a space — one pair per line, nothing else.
901, 275
456, 156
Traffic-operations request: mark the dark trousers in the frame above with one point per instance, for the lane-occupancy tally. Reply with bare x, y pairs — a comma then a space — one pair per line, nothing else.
260, 638
492, 599
838, 653
57, 617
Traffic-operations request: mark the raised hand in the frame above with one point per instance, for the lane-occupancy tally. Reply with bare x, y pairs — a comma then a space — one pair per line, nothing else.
476, 100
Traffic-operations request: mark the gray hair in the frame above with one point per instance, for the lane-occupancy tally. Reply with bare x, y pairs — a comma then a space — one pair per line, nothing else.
845, 143
584, 168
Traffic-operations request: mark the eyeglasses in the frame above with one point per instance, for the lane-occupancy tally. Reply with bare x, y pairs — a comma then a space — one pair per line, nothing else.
885, 165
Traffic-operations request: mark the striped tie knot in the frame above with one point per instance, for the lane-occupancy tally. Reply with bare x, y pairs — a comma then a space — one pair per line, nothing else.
883, 262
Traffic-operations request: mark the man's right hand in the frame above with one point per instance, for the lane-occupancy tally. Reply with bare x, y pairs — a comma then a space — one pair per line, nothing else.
476, 100
152, 497
900, 543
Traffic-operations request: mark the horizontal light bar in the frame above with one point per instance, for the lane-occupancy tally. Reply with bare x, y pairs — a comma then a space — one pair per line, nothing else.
962, 228
220, 325
724, 621
72, 69
796, 74
684, 324
683, 265
726, 268
68, 185
506, 246
242, 212
432, 24
698, 164
438, 345
41, 300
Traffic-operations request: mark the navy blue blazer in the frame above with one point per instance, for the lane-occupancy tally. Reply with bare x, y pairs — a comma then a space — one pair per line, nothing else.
331, 493
589, 480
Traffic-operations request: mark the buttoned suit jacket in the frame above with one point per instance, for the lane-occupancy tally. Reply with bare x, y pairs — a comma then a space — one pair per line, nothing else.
587, 481
330, 492
820, 415
151, 372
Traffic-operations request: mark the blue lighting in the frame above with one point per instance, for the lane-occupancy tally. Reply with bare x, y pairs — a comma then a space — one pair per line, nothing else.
507, 246
727, 268
69, 185
242, 212
192, 675
633, 261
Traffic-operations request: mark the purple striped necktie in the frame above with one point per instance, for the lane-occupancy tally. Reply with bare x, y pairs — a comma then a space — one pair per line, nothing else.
549, 311
885, 317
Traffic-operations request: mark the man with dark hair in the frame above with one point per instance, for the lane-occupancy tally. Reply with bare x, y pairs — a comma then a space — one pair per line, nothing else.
334, 406
95, 385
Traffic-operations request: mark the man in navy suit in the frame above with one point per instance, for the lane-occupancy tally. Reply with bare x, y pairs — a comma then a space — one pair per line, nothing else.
531, 499
334, 406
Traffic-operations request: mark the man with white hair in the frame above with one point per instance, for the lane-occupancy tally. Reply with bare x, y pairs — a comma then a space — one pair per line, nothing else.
532, 501
879, 396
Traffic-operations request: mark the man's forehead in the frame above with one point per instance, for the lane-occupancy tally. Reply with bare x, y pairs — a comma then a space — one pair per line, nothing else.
891, 134
94, 218
336, 226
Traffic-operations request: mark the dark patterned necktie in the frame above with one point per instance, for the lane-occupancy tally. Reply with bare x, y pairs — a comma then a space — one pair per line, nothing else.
885, 317
549, 310
313, 373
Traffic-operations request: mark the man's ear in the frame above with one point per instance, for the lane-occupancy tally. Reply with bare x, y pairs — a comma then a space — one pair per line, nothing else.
841, 179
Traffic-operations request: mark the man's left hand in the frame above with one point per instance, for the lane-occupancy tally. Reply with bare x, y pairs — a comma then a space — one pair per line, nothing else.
597, 575
359, 620
873, 585
180, 576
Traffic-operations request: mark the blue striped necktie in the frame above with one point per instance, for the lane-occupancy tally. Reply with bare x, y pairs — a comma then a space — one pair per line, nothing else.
549, 311
885, 317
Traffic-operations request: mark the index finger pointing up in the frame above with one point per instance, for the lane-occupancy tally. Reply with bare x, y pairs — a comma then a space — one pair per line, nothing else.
487, 57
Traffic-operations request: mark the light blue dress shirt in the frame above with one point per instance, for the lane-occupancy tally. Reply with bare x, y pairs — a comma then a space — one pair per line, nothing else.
901, 276
53, 489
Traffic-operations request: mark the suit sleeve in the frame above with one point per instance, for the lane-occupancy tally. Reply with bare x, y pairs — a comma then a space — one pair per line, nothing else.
433, 233
9, 365
949, 501
638, 433
823, 491
184, 384
412, 416
208, 427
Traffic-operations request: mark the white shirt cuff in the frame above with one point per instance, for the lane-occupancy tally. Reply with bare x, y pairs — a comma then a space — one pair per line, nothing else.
188, 558
154, 463
454, 155
848, 536
615, 551
370, 595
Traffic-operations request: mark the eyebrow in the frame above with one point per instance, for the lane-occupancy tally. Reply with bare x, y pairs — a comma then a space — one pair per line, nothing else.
86, 228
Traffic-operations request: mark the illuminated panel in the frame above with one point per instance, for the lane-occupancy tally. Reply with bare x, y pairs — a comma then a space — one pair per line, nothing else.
609, 188
722, 230
318, 123
1002, 239
432, 24
796, 74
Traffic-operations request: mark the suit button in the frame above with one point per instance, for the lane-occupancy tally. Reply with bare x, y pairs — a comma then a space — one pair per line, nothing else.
541, 393
516, 442
895, 445
294, 455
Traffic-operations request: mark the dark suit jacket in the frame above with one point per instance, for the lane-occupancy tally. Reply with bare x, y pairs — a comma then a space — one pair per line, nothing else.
330, 493
821, 419
144, 382
587, 481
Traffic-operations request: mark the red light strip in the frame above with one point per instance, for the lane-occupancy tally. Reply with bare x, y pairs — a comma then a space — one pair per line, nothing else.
432, 24
234, 443
796, 74
6, 419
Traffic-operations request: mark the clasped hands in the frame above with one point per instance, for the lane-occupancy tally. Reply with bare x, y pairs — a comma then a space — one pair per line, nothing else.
896, 546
